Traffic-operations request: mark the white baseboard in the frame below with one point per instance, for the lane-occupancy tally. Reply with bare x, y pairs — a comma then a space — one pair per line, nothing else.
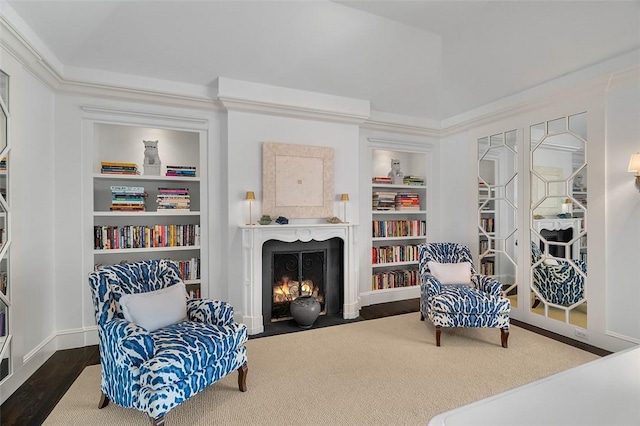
389, 295
34, 359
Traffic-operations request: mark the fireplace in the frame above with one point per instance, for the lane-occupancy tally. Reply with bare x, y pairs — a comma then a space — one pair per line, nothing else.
250, 308
557, 230
294, 269
557, 236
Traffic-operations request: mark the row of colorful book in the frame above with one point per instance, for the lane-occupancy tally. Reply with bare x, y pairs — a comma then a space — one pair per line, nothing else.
399, 228
397, 253
183, 171
133, 236
118, 168
394, 279
127, 198
173, 199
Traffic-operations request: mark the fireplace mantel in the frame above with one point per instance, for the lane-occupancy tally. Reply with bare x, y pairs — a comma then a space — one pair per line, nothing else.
254, 236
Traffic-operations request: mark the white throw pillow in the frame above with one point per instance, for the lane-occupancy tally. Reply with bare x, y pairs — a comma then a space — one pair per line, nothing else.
549, 261
451, 273
156, 309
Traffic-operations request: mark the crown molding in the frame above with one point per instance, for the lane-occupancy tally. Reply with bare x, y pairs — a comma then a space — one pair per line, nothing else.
292, 111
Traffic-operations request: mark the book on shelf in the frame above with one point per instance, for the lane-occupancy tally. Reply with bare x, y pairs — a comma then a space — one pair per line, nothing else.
173, 199
114, 167
399, 228
381, 179
413, 180
3, 163
381, 200
396, 253
395, 279
187, 171
127, 198
407, 201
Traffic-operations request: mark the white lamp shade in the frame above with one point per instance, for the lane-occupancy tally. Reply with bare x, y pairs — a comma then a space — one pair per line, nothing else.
634, 163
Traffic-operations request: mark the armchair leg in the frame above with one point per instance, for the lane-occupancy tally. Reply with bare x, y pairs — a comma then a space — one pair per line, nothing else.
242, 377
438, 332
157, 421
421, 317
535, 303
504, 336
104, 401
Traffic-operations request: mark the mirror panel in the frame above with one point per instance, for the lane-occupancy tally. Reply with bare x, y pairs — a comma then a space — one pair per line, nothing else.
558, 206
497, 209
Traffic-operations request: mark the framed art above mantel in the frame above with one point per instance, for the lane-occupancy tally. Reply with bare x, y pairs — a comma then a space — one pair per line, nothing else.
297, 181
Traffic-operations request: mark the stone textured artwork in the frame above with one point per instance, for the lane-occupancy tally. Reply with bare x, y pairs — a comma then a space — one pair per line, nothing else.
297, 180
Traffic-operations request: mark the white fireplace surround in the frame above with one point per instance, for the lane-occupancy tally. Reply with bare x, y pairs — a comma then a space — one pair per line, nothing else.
254, 236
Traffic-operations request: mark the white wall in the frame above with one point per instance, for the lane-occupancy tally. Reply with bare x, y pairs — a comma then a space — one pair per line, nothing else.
622, 249
246, 132
33, 233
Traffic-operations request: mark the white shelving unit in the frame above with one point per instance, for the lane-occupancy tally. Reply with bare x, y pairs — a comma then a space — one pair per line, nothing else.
396, 233
486, 231
6, 313
117, 140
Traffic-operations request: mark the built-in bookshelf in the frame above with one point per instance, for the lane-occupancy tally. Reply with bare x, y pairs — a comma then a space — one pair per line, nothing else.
138, 216
398, 221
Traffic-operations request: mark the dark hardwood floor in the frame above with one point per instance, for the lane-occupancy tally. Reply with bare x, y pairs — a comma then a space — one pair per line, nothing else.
36, 398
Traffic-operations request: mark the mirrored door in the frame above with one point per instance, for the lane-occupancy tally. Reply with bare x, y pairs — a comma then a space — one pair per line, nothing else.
498, 209
558, 228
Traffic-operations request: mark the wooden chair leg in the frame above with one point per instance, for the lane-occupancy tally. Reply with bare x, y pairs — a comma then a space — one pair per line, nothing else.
438, 332
504, 336
157, 421
242, 377
535, 303
421, 317
104, 401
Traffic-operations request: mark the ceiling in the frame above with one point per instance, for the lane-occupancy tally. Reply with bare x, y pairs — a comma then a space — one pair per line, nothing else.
431, 59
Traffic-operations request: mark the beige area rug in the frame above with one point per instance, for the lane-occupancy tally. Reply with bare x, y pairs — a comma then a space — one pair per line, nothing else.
378, 372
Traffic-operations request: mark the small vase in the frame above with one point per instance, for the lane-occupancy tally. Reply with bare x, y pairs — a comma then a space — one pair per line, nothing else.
305, 311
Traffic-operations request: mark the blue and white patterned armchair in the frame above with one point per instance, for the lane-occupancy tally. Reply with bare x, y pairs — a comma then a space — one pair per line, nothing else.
155, 371
480, 304
559, 284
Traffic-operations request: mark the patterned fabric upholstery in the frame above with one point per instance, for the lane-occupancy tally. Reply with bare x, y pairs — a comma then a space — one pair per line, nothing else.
154, 372
560, 284
482, 305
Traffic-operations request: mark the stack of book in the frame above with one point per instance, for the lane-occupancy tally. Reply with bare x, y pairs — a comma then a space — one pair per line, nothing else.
182, 171
383, 200
3, 164
413, 180
127, 198
114, 167
173, 199
381, 179
407, 201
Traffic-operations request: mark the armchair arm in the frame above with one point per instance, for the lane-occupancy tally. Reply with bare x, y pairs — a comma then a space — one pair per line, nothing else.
487, 284
430, 283
580, 264
210, 311
128, 343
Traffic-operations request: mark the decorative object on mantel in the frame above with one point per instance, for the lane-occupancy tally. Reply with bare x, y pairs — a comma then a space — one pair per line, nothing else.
564, 216
538, 216
334, 219
281, 220
305, 311
297, 180
634, 166
344, 198
151, 161
396, 175
265, 219
250, 197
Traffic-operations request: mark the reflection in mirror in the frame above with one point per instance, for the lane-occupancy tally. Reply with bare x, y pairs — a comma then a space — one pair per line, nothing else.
497, 209
3, 128
4, 88
3, 180
559, 217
